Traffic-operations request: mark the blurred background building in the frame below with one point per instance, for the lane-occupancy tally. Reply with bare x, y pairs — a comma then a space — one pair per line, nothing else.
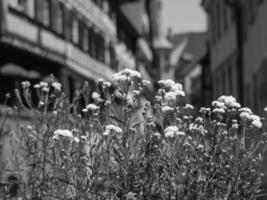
237, 33
76, 40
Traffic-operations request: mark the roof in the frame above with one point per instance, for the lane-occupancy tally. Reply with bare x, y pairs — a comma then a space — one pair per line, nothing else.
133, 11
162, 43
193, 52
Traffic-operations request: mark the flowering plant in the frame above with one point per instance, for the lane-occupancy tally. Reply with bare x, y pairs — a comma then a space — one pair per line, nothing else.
100, 147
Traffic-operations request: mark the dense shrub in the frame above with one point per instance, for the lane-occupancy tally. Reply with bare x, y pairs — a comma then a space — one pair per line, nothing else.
98, 148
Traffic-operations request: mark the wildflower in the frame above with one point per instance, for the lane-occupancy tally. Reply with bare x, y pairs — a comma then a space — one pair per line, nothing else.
235, 124
107, 103
83, 137
244, 115
170, 96
145, 83
131, 73
172, 131
204, 110
37, 86
43, 84
57, 86
95, 95
245, 109
218, 110
75, 139
41, 103
229, 101
92, 107
125, 74
256, 123
106, 84
199, 120
188, 106
166, 109
218, 104
200, 146
119, 77
45, 89
177, 87
136, 92
254, 118
166, 83
64, 133
25, 84
265, 109
157, 134
112, 128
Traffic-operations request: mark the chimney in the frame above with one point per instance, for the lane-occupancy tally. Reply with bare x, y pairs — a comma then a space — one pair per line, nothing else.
169, 34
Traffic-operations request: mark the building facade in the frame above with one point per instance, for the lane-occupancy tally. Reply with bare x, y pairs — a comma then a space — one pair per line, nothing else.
237, 34
223, 48
76, 40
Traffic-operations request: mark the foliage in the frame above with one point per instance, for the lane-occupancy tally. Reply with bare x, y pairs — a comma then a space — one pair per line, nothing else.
97, 148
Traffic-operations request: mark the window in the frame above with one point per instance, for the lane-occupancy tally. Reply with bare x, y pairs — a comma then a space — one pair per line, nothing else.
80, 32
218, 23
46, 12
92, 42
113, 62
85, 44
75, 31
100, 47
59, 18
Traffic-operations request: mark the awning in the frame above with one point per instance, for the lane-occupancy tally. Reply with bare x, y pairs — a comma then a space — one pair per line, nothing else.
12, 69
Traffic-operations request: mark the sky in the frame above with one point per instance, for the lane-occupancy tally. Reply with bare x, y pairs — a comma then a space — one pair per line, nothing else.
183, 15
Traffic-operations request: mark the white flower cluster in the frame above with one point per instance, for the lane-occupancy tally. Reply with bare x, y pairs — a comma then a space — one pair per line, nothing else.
91, 107
172, 131
197, 128
188, 107
172, 89
204, 110
247, 115
229, 102
105, 84
112, 128
43, 86
57, 86
224, 103
95, 95
145, 83
166, 109
25, 84
65, 133
125, 74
